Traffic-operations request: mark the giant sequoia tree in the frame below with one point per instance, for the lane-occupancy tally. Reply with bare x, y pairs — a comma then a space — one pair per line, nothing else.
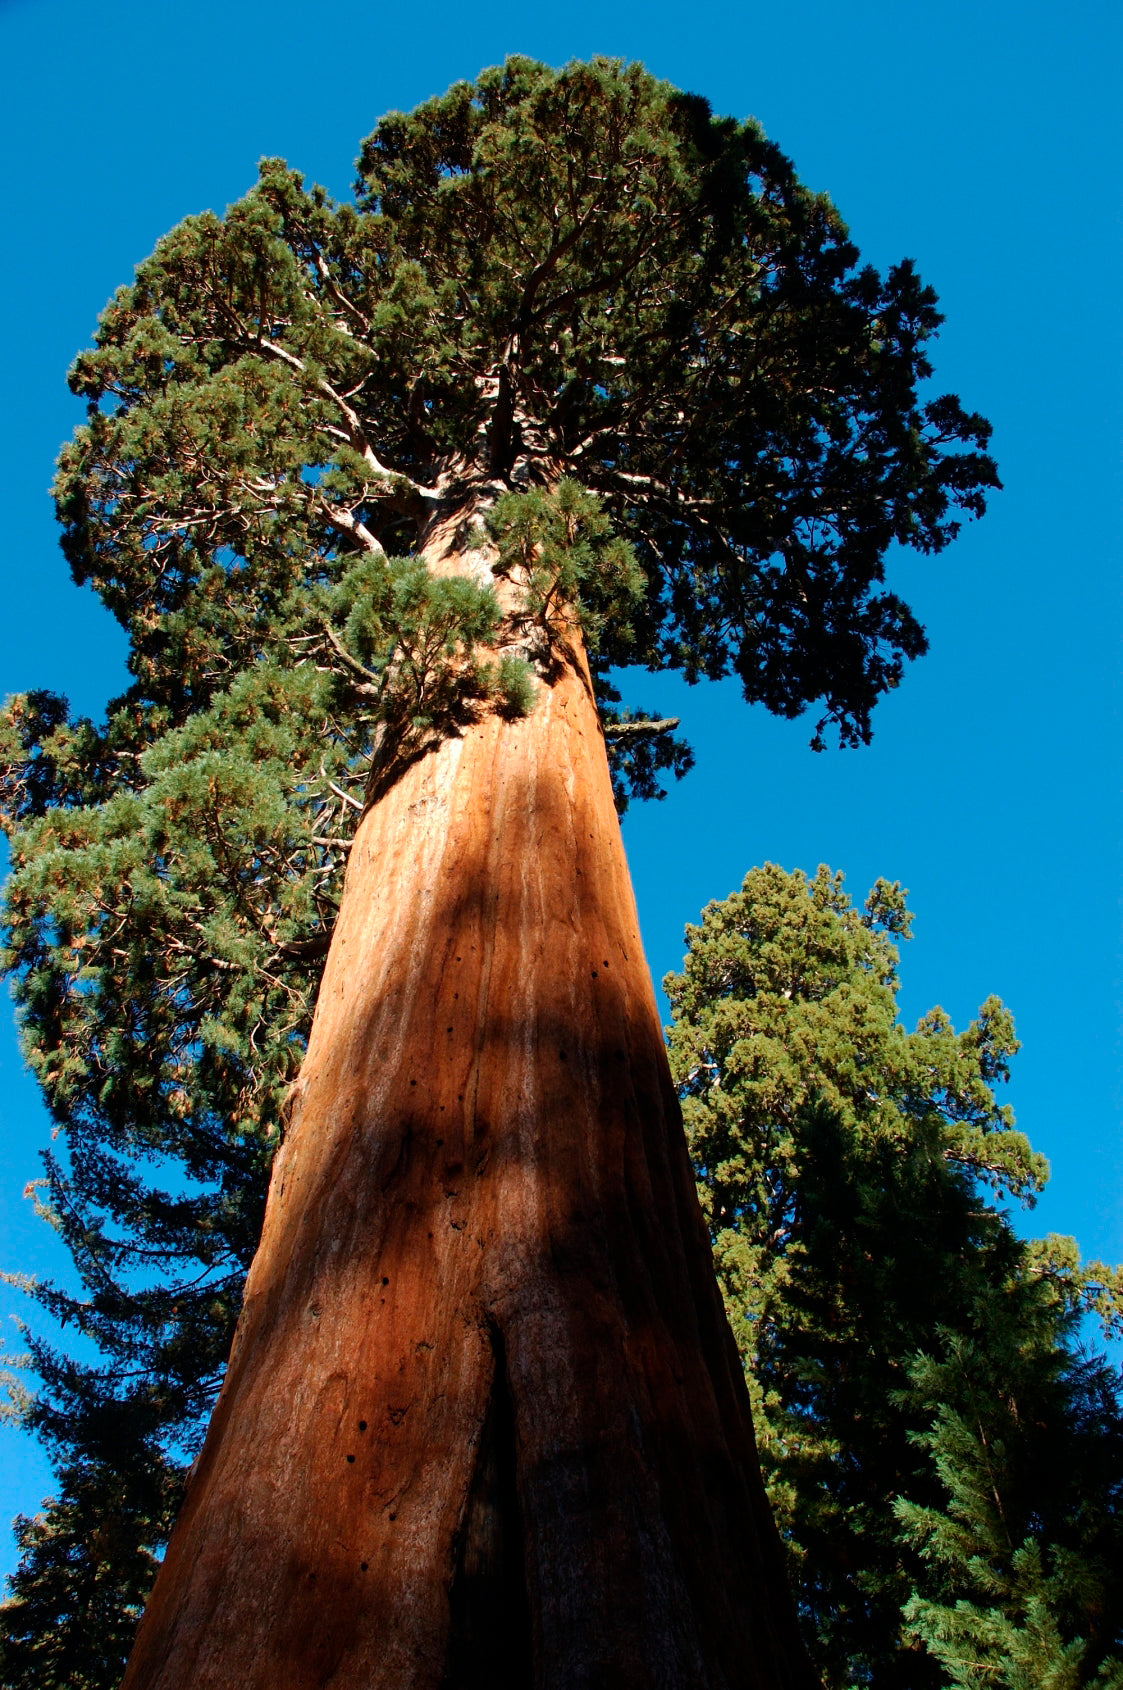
380, 492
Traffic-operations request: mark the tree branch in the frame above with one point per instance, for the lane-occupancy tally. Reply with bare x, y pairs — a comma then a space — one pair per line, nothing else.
370, 686
640, 730
342, 519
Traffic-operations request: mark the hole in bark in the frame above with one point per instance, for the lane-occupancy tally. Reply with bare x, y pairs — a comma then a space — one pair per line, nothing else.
489, 1646
362, 1425
350, 1458
385, 1281
362, 1566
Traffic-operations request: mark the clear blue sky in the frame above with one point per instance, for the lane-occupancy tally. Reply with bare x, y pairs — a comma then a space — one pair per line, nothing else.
981, 140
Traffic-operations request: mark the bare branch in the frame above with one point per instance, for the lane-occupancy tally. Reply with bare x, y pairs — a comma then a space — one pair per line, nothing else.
306, 950
342, 519
640, 730
346, 797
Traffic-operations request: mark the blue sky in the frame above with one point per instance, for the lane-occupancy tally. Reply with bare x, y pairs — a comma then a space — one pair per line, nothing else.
981, 140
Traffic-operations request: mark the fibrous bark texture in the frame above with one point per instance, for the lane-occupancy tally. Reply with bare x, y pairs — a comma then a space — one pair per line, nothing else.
484, 1423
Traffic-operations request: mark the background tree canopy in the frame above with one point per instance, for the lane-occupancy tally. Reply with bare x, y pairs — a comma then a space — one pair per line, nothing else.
945, 1460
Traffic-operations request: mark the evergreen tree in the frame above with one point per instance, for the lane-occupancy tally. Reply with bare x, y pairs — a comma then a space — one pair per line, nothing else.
1021, 1583
85, 1572
380, 491
896, 1331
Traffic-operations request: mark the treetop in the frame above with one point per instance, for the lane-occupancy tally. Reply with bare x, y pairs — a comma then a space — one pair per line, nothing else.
578, 273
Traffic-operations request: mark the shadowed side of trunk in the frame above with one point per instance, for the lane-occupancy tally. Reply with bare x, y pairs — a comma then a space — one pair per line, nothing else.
484, 1422
490, 1640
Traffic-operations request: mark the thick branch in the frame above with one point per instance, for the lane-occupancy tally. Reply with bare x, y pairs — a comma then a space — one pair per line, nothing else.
306, 950
342, 518
640, 730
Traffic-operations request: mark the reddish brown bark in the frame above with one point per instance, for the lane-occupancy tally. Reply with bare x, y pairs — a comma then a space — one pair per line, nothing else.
484, 1422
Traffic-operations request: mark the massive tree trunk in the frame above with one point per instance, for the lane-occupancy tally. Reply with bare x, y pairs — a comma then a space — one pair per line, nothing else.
484, 1423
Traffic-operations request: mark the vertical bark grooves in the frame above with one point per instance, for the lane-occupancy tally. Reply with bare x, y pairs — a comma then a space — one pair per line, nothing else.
482, 1352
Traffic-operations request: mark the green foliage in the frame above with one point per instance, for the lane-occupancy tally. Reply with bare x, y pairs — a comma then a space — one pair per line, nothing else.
87, 1565
547, 274
788, 995
1091, 1287
570, 566
1022, 1585
513, 685
410, 642
409, 626
674, 318
895, 1330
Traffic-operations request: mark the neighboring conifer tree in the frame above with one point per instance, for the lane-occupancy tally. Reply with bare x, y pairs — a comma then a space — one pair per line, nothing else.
912, 1362
347, 482
1021, 1577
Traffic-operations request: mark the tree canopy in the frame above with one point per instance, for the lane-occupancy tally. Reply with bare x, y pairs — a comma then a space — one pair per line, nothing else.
946, 1464
545, 273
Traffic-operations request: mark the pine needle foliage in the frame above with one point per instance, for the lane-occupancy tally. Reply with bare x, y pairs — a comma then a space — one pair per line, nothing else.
1022, 1584
575, 307
89, 1550
570, 565
945, 1467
